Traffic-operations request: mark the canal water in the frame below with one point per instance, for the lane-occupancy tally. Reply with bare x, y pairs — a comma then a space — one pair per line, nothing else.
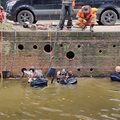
90, 99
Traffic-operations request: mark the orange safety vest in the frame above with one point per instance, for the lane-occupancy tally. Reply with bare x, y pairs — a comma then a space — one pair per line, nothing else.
87, 16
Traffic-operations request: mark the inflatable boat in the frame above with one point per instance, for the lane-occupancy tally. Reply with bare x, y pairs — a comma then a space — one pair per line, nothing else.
68, 81
39, 82
115, 76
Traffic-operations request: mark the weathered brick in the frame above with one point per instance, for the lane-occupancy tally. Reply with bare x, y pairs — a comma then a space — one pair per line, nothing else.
95, 54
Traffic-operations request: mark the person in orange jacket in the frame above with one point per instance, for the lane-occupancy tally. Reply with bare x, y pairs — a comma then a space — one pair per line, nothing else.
66, 11
86, 16
1, 14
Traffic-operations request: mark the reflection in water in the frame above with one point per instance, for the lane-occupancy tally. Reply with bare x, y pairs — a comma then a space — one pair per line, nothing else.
90, 99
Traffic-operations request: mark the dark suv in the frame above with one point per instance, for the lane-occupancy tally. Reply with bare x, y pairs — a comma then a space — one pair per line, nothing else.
34, 10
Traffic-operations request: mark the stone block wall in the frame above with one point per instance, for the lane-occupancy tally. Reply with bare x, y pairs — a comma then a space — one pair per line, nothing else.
85, 53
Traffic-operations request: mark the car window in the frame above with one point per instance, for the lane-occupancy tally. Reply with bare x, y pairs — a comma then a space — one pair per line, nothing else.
44, 4
84, 1
89, 2
110, 1
80, 3
118, 2
58, 4
43, 1
98, 3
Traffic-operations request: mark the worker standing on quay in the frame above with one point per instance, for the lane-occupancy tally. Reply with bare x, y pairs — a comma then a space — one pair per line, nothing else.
86, 16
1, 14
66, 11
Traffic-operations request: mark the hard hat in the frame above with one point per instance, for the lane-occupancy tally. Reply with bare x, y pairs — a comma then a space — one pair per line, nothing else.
94, 9
63, 71
32, 68
86, 9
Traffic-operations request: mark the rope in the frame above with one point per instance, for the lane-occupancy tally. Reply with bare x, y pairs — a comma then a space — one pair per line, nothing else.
51, 53
14, 51
1, 35
56, 39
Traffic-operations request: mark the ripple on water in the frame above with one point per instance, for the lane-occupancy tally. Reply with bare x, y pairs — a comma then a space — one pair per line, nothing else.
35, 103
50, 109
25, 119
2, 114
115, 91
45, 119
104, 110
65, 114
28, 114
108, 117
116, 109
115, 99
81, 117
115, 115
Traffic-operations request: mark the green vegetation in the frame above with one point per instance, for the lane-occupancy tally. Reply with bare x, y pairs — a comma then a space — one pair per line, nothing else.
5, 26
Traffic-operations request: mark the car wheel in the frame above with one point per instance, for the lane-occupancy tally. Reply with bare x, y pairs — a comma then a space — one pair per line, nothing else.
25, 16
35, 21
109, 17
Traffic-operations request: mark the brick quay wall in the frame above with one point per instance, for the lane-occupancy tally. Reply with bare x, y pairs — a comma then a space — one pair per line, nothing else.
85, 53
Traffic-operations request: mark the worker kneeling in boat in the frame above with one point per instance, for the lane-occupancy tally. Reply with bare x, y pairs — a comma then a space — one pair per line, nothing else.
63, 75
86, 16
33, 74
66, 77
115, 76
117, 69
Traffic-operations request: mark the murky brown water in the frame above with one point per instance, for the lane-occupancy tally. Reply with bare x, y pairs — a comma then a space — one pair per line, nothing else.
90, 99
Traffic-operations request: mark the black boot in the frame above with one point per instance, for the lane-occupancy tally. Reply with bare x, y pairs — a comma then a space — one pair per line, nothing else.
59, 28
84, 27
91, 28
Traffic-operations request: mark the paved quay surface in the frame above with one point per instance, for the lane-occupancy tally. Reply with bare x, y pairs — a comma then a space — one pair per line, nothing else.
97, 28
